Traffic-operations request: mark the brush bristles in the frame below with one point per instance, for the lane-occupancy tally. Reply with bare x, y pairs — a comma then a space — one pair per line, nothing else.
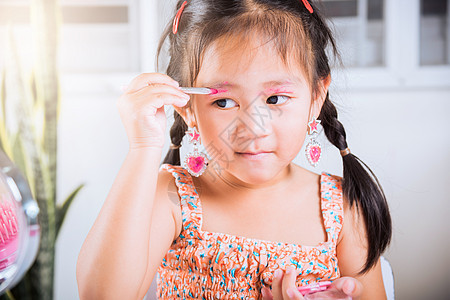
8, 222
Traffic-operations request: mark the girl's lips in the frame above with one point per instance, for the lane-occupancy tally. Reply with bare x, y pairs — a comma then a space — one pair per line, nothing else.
253, 153
254, 156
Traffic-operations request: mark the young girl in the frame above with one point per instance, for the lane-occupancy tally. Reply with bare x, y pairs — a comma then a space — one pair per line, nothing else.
248, 223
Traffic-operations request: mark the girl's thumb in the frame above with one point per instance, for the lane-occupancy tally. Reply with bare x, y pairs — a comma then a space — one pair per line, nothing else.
352, 287
349, 287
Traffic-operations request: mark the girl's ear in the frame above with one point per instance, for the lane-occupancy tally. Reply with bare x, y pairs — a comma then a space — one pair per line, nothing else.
186, 113
321, 95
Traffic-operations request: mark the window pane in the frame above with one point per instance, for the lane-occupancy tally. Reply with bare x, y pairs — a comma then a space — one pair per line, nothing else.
434, 32
96, 36
359, 30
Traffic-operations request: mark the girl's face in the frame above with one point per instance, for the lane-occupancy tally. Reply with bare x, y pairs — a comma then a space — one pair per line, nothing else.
262, 106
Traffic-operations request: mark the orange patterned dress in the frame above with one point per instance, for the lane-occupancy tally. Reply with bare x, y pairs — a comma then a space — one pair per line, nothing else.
211, 265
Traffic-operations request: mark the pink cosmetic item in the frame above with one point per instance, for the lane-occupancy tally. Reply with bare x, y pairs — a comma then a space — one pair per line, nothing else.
9, 241
314, 287
199, 91
19, 226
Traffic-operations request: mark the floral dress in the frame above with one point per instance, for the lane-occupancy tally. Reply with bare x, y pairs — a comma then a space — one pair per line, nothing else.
211, 265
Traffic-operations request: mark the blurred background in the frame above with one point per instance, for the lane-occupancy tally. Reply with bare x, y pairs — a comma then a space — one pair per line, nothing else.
393, 97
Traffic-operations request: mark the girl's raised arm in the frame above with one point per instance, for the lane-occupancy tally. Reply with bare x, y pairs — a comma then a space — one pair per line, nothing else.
115, 261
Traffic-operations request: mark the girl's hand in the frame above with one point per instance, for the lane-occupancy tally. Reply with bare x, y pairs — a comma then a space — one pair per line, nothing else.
283, 287
141, 108
344, 288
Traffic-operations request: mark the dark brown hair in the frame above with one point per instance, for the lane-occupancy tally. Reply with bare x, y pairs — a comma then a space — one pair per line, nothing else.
298, 36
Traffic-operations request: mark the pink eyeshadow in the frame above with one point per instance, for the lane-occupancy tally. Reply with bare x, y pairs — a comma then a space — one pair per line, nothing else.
278, 90
218, 91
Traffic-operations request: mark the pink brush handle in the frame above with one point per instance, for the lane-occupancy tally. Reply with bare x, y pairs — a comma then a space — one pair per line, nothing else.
314, 287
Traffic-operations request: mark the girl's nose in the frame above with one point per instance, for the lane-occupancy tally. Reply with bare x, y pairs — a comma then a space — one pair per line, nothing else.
256, 119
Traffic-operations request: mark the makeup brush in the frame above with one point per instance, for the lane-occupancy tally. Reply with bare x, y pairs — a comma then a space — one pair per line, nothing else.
199, 91
188, 90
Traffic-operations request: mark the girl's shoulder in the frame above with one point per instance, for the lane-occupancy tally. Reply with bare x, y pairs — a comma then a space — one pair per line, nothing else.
330, 184
328, 180
183, 179
329, 188
175, 182
331, 177
177, 179
179, 170
332, 192
332, 198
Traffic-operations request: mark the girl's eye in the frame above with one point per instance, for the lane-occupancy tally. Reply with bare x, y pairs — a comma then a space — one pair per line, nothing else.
222, 103
273, 99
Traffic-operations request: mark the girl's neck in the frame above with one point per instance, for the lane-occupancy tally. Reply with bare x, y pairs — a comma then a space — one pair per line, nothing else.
225, 184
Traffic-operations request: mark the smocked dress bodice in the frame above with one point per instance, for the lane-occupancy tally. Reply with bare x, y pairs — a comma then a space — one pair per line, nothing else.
211, 265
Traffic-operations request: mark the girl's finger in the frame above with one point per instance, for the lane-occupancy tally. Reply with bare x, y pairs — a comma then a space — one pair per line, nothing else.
163, 88
266, 293
158, 101
276, 285
289, 287
151, 92
350, 286
148, 98
143, 80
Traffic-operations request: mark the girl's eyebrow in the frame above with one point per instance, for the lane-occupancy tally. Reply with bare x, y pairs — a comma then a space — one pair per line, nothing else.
219, 86
278, 89
278, 83
274, 86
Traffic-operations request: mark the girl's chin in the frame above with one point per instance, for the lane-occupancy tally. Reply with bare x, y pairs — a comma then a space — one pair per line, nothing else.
253, 171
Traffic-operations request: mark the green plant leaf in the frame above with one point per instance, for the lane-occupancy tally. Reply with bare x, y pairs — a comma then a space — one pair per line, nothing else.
62, 210
4, 140
18, 154
8, 295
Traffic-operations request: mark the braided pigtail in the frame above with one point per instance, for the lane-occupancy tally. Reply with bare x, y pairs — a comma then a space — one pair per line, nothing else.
177, 132
360, 188
176, 41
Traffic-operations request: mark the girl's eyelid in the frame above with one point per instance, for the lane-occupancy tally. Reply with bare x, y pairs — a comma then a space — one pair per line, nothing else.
281, 94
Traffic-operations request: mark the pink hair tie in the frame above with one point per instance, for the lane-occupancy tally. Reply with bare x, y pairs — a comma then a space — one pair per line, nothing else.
176, 21
308, 6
